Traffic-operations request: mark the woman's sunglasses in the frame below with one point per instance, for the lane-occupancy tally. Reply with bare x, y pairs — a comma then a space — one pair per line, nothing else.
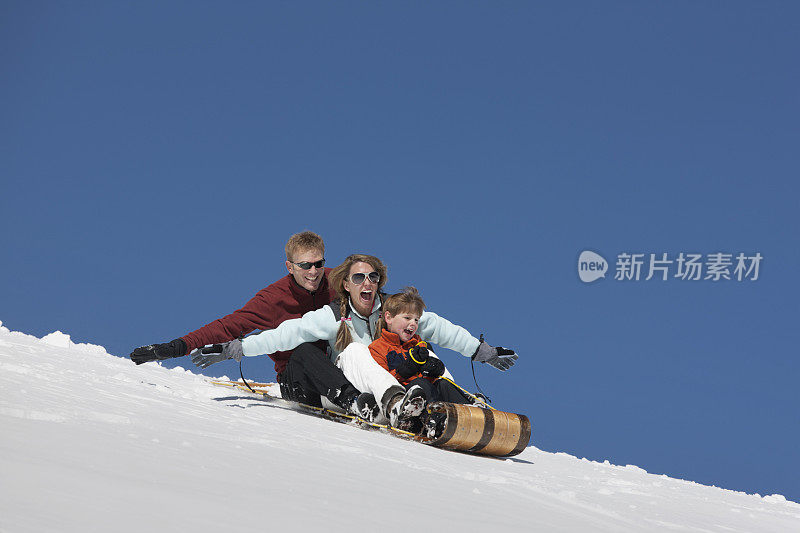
305, 265
359, 277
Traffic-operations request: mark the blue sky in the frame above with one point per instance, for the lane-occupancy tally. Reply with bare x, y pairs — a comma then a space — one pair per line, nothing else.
155, 157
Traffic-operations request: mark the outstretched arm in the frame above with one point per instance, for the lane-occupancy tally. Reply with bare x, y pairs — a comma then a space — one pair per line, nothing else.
259, 313
440, 331
312, 326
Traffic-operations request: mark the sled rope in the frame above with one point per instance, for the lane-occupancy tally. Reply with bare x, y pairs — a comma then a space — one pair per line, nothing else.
245, 381
468, 393
472, 364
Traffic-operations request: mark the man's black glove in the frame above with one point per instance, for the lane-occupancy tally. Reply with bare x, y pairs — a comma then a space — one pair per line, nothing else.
500, 358
216, 353
158, 352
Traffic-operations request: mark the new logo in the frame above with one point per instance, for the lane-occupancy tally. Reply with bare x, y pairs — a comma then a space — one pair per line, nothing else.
591, 266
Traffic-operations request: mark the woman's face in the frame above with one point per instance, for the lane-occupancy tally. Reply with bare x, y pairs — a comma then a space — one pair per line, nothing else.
362, 294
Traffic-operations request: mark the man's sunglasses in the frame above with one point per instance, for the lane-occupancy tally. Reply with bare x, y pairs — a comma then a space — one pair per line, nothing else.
359, 277
305, 265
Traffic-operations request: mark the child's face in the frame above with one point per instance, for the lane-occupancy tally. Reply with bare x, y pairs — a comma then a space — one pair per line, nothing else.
402, 324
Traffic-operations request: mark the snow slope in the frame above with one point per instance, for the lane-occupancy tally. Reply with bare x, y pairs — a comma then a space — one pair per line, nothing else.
91, 442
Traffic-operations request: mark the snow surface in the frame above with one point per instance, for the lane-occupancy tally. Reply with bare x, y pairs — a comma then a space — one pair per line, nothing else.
92, 442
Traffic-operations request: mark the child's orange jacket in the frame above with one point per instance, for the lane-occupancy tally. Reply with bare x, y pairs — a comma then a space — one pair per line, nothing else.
389, 352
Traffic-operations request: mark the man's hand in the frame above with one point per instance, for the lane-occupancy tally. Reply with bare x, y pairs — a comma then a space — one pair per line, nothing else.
500, 358
205, 357
158, 352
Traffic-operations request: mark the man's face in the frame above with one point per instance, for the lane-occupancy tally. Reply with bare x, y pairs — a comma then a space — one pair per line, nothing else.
311, 278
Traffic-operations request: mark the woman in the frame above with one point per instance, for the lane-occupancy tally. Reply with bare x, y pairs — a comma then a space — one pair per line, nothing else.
350, 324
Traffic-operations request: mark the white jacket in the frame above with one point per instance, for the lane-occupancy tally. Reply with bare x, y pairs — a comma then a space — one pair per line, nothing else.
322, 325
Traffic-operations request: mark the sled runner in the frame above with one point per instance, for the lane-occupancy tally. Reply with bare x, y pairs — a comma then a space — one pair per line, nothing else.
459, 427
263, 389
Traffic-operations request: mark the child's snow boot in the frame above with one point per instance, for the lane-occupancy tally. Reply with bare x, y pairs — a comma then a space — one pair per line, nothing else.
403, 409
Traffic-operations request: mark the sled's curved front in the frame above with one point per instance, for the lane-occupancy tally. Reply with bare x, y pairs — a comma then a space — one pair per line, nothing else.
485, 431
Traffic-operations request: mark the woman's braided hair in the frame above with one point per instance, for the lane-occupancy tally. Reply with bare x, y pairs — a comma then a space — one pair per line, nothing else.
337, 277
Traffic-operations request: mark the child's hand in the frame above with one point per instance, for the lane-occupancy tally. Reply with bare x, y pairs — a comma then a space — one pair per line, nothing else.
433, 368
408, 367
414, 361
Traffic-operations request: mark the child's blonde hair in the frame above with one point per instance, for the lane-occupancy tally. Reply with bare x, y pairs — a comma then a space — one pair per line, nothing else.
406, 301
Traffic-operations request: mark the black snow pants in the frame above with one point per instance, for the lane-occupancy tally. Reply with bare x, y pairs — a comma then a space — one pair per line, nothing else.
440, 391
310, 374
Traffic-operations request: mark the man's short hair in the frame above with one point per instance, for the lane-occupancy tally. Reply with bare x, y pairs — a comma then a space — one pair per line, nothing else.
300, 242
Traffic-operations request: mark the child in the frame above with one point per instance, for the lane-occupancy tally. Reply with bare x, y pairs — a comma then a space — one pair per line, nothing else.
401, 352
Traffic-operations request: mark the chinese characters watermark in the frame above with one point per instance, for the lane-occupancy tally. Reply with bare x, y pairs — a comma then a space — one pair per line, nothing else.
684, 266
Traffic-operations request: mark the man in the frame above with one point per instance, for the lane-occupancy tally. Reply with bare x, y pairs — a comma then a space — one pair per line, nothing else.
304, 373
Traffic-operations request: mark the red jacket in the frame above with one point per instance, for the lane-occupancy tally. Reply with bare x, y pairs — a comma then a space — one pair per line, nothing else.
388, 351
280, 301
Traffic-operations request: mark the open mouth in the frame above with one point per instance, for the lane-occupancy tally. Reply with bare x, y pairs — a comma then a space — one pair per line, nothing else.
366, 296
410, 331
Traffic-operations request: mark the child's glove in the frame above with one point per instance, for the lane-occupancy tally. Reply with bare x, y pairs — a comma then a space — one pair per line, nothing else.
433, 368
414, 361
